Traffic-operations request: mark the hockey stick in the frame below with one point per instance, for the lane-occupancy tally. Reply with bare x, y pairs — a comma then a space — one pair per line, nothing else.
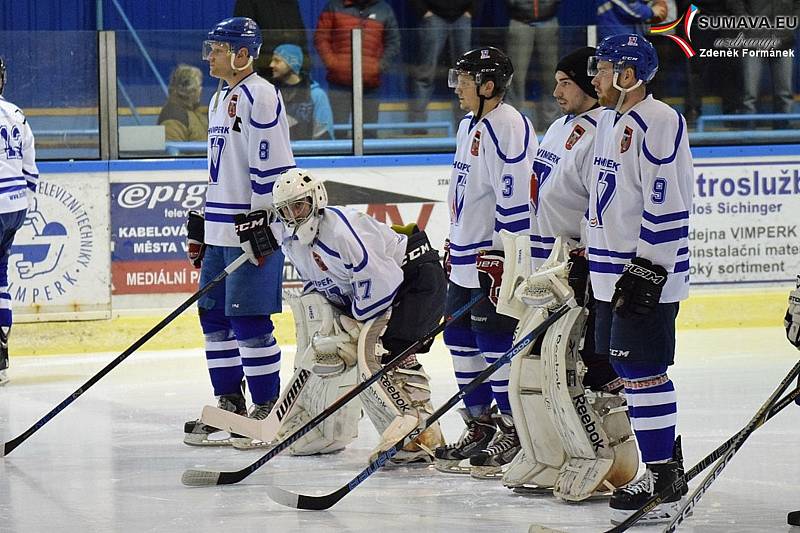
264, 430
766, 412
690, 474
201, 478
9, 446
325, 501
757, 420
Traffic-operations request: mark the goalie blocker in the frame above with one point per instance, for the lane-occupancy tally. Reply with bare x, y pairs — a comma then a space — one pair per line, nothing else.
582, 443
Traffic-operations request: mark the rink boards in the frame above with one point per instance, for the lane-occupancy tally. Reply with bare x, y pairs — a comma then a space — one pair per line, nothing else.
107, 237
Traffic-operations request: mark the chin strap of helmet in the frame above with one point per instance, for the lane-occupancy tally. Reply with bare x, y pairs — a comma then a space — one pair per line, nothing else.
622, 90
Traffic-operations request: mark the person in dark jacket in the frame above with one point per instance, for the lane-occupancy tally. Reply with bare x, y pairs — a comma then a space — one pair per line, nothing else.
780, 67
380, 45
280, 22
441, 22
533, 31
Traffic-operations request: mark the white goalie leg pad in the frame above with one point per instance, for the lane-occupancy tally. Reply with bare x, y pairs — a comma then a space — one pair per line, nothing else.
333, 433
313, 315
399, 401
516, 270
592, 461
542, 455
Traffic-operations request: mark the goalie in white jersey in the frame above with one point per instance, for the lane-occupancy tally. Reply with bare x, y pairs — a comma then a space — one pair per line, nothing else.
638, 227
382, 290
248, 147
489, 192
19, 179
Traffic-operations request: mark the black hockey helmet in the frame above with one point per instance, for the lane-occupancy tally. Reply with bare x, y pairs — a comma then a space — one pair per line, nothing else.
484, 64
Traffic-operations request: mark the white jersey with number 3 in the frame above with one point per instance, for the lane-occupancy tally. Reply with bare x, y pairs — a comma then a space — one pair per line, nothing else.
489, 186
354, 261
248, 147
18, 170
641, 196
562, 169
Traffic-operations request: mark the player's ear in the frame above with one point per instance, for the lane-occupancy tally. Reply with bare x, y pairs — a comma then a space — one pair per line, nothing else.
487, 88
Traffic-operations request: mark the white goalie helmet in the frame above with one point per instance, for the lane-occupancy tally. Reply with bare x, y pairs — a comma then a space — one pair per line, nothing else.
298, 198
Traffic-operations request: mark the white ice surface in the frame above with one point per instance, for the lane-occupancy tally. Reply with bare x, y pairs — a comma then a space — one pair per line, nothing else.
112, 461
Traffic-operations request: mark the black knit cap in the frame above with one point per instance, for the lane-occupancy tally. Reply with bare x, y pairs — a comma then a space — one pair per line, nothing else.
575, 64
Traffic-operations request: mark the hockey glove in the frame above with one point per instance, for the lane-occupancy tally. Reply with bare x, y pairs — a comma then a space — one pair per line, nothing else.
255, 235
578, 277
195, 234
446, 260
792, 319
638, 291
490, 272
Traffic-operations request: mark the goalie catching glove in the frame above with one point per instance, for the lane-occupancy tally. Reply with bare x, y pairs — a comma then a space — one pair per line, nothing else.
638, 291
255, 235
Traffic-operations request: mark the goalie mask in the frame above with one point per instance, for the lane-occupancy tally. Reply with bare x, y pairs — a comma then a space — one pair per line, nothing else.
299, 198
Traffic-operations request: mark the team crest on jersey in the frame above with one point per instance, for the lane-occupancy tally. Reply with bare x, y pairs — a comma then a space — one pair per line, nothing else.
633, 40
232, 106
575, 136
626, 140
476, 144
320, 263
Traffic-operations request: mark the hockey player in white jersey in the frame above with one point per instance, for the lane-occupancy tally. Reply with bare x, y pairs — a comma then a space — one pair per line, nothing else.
248, 147
19, 179
489, 191
383, 290
638, 227
552, 413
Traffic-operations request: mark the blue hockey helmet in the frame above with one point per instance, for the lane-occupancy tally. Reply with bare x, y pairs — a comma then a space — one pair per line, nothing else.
238, 32
627, 50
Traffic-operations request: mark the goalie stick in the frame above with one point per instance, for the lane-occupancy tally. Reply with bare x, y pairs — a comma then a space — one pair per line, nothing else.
9, 446
756, 421
264, 430
325, 501
201, 478
690, 474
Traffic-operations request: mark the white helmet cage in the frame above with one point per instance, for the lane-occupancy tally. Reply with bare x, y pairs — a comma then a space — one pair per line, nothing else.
299, 186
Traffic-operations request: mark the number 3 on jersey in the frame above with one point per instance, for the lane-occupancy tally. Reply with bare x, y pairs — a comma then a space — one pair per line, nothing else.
215, 147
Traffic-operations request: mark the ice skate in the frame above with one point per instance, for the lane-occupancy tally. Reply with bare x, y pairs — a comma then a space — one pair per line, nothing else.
477, 436
489, 462
257, 412
198, 434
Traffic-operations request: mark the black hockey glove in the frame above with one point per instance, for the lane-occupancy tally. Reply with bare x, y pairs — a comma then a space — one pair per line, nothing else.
639, 289
578, 277
490, 272
195, 234
255, 235
792, 319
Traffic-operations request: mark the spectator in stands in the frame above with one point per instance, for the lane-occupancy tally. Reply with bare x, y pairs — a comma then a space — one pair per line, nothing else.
627, 16
307, 105
533, 32
440, 22
280, 22
780, 67
182, 117
380, 45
